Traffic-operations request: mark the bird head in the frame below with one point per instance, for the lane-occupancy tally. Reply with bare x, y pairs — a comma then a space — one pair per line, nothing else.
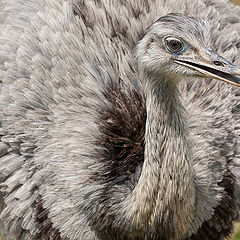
177, 45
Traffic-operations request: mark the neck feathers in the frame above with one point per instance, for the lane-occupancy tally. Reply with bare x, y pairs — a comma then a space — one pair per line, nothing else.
165, 191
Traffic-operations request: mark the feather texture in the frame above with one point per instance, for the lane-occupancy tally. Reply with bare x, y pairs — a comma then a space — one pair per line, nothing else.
73, 117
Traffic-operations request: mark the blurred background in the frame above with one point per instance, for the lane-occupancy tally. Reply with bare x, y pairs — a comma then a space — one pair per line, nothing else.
237, 2
236, 234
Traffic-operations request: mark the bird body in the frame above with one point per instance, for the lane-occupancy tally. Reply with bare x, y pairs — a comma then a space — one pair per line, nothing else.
100, 139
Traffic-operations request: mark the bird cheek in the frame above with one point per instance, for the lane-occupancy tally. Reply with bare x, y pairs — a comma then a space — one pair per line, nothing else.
183, 71
179, 70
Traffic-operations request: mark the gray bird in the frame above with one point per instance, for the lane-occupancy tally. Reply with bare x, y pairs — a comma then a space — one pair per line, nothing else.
117, 124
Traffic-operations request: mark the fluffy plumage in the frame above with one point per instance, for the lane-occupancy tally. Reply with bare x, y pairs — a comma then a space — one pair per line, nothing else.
73, 115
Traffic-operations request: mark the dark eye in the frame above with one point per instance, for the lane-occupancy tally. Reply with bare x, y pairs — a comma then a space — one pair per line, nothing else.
173, 45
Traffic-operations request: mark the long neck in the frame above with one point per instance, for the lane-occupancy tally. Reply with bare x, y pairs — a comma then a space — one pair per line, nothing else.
165, 192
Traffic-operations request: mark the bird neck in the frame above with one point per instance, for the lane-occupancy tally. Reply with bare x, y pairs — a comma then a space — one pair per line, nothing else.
165, 192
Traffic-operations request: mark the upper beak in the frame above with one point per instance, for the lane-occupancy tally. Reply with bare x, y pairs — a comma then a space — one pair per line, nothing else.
210, 64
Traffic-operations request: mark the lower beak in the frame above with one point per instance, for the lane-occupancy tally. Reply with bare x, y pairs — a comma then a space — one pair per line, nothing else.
214, 66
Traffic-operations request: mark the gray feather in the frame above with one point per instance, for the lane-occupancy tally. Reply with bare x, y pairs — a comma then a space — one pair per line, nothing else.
67, 70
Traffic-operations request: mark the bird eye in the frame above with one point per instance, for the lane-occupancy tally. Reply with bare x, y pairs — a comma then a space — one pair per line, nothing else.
173, 45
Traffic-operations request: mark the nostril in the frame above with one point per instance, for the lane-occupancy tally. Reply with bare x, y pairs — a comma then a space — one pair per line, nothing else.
218, 63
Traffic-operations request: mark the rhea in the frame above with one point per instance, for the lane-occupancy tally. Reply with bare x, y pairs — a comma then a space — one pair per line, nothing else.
174, 48
118, 159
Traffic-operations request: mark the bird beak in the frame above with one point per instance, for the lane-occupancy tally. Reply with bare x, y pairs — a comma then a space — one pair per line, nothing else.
210, 64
